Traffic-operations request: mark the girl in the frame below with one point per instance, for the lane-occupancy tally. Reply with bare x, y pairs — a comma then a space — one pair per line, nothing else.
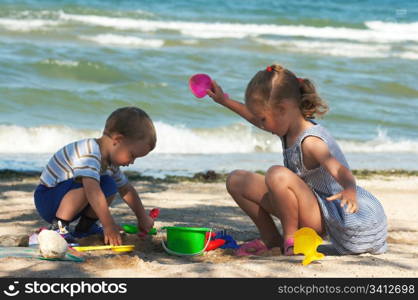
315, 188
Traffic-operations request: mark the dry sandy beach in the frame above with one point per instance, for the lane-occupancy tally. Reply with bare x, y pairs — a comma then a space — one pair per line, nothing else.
209, 205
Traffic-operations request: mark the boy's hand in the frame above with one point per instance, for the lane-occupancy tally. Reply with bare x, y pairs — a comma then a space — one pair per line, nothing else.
216, 93
145, 224
112, 235
349, 197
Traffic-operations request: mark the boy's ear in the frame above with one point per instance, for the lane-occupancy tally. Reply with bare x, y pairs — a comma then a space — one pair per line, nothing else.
117, 138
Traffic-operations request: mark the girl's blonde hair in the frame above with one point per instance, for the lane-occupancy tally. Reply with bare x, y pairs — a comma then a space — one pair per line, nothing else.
276, 83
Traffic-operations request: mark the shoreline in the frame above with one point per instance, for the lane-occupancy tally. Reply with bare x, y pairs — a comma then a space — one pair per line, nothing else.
209, 176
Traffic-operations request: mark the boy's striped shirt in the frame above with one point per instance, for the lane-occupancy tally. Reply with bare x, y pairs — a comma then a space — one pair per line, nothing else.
79, 159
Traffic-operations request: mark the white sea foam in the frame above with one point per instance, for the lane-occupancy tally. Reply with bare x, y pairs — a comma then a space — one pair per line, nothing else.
125, 41
408, 55
171, 139
66, 63
116, 23
43, 139
356, 50
231, 139
395, 28
329, 48
69, 63
25, 25
177, 139
382, 143
31, 14
377, 31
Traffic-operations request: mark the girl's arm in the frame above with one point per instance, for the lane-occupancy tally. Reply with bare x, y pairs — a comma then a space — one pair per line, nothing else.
239, 108
316, 152
131, 197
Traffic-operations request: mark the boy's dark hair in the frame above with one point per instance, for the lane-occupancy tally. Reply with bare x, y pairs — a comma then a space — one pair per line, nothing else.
276, 83
133, 123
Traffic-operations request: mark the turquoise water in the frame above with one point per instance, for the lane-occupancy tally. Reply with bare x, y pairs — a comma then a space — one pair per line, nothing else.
65, 65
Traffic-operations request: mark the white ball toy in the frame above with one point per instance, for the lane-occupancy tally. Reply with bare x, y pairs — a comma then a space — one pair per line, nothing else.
52, 244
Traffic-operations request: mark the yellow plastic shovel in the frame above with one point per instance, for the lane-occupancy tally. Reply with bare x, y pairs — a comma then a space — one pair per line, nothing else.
122, 248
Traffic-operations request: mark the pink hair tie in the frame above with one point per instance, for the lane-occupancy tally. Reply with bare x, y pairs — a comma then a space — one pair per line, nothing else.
269, 69
301, 80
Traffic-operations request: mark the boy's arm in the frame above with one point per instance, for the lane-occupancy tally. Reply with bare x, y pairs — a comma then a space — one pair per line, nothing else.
131, 197
318, 150
97, 201
239, 108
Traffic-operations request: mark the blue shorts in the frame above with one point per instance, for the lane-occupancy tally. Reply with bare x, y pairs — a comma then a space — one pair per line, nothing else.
48, 200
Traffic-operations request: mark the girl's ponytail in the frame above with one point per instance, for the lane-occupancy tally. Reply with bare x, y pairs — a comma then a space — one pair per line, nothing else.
311, 104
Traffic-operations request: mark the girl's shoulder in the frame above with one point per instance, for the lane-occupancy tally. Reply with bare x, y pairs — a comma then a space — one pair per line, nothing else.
320, 132
317, 130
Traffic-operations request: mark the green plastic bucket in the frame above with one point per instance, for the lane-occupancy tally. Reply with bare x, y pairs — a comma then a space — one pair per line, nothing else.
185, 240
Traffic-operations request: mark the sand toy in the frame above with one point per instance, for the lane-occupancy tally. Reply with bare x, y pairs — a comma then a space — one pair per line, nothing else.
186, 241
306, 243
200, 83
133, 229
122, 248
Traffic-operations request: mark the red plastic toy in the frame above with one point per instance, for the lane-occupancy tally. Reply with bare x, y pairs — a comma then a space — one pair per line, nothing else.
154, 213
213, 244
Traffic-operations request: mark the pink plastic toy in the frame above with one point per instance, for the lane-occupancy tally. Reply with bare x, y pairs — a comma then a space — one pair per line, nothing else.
199, 83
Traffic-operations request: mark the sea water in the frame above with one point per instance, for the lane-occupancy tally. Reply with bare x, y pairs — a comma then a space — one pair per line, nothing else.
66, 65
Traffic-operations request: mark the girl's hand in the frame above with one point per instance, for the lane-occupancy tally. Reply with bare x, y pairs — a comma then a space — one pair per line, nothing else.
216, 93
349, 197
145, 224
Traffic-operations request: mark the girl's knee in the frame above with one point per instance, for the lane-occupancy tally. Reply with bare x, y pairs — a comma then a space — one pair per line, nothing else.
276, 175
234, 180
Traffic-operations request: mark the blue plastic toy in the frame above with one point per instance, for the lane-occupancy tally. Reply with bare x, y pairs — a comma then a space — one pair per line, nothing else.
229, 241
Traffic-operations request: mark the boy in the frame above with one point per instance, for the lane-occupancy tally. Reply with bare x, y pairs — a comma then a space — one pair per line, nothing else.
82, 178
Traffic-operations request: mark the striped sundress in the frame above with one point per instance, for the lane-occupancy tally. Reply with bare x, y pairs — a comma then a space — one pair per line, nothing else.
361, 232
